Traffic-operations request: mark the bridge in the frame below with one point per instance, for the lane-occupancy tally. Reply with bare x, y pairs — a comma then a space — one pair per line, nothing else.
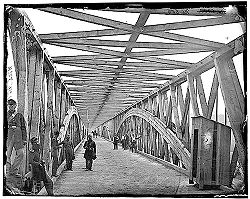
133, 75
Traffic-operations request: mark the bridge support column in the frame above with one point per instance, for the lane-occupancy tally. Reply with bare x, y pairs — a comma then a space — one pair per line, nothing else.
57, 104
233, 98
17, 32
49, 121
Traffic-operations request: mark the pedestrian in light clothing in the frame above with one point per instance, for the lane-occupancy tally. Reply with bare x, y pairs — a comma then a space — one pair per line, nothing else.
16, 138
69, 152
123, 142
90, 152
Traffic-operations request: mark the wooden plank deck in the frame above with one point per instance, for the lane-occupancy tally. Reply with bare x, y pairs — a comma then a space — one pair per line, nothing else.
122, 173
117, 172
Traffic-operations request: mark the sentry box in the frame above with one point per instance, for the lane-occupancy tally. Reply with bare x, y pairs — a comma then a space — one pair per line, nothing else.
210, 153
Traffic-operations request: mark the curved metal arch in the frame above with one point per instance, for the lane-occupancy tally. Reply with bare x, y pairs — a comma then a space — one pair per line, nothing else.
177, 146
70, 113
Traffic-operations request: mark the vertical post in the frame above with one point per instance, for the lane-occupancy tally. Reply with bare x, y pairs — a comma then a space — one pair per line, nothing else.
233, 98
193, 95
36, 102
175, 110
57, 104
49, 120
63, 104
17, 32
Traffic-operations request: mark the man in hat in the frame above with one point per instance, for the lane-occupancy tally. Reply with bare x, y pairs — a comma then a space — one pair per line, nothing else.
90, 152
16, 138
55, 146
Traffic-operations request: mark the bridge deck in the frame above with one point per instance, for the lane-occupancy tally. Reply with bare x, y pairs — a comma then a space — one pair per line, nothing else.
121, 172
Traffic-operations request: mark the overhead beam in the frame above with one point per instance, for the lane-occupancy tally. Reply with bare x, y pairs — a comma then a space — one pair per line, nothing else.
82, 34
203, 11
227, 19
187, 39
88, 18
117, 43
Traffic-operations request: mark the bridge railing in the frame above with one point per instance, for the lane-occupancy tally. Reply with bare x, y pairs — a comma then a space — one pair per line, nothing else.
212, 89
42, 97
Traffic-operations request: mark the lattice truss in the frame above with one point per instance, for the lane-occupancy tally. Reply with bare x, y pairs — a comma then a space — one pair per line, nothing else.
110, 80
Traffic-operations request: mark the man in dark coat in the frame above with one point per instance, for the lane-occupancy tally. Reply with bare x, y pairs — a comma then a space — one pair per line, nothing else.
16, 138
90, 152
38, 172
69, 152
55, 146
115, 142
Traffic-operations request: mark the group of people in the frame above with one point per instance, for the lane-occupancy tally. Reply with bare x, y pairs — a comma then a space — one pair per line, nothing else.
94, 134
17, 139
128, 142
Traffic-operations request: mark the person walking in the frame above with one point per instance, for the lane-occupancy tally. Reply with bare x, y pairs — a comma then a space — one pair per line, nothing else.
16, 138
115, 142
90, 152
55, 146
69, 152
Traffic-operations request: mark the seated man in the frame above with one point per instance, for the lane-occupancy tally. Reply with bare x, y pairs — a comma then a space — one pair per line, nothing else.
38, 172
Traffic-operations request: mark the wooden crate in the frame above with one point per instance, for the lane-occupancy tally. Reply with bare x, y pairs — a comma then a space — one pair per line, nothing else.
210, 153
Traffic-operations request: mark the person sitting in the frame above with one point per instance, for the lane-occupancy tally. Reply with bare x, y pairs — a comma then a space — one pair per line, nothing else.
37, 171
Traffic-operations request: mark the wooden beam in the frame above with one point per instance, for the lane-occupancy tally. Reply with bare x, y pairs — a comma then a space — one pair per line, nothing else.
233, 98
117, 43
82, 57
180, 100
81, 34
185, 111
212, 96
202, 96
175, 111
232, 18
167, 52
193, 95
90, 49
88, 18
169, 62
149, 59
117, 63
36, 101
49, 120
203, 11
187, 39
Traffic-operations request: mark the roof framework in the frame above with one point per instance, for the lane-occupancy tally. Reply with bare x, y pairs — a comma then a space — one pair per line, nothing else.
104, 86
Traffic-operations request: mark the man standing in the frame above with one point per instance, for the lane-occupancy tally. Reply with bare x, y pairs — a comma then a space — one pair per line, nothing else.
16, 138
68, 151
90, 152
115, 142
54, 153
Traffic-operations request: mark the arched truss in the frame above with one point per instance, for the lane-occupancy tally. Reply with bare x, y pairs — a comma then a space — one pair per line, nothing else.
70, 113
168, 135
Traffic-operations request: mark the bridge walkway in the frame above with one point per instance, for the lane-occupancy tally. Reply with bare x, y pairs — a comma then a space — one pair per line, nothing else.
121, 172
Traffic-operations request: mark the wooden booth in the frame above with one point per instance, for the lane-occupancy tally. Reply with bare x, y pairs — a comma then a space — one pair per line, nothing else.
210, 153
